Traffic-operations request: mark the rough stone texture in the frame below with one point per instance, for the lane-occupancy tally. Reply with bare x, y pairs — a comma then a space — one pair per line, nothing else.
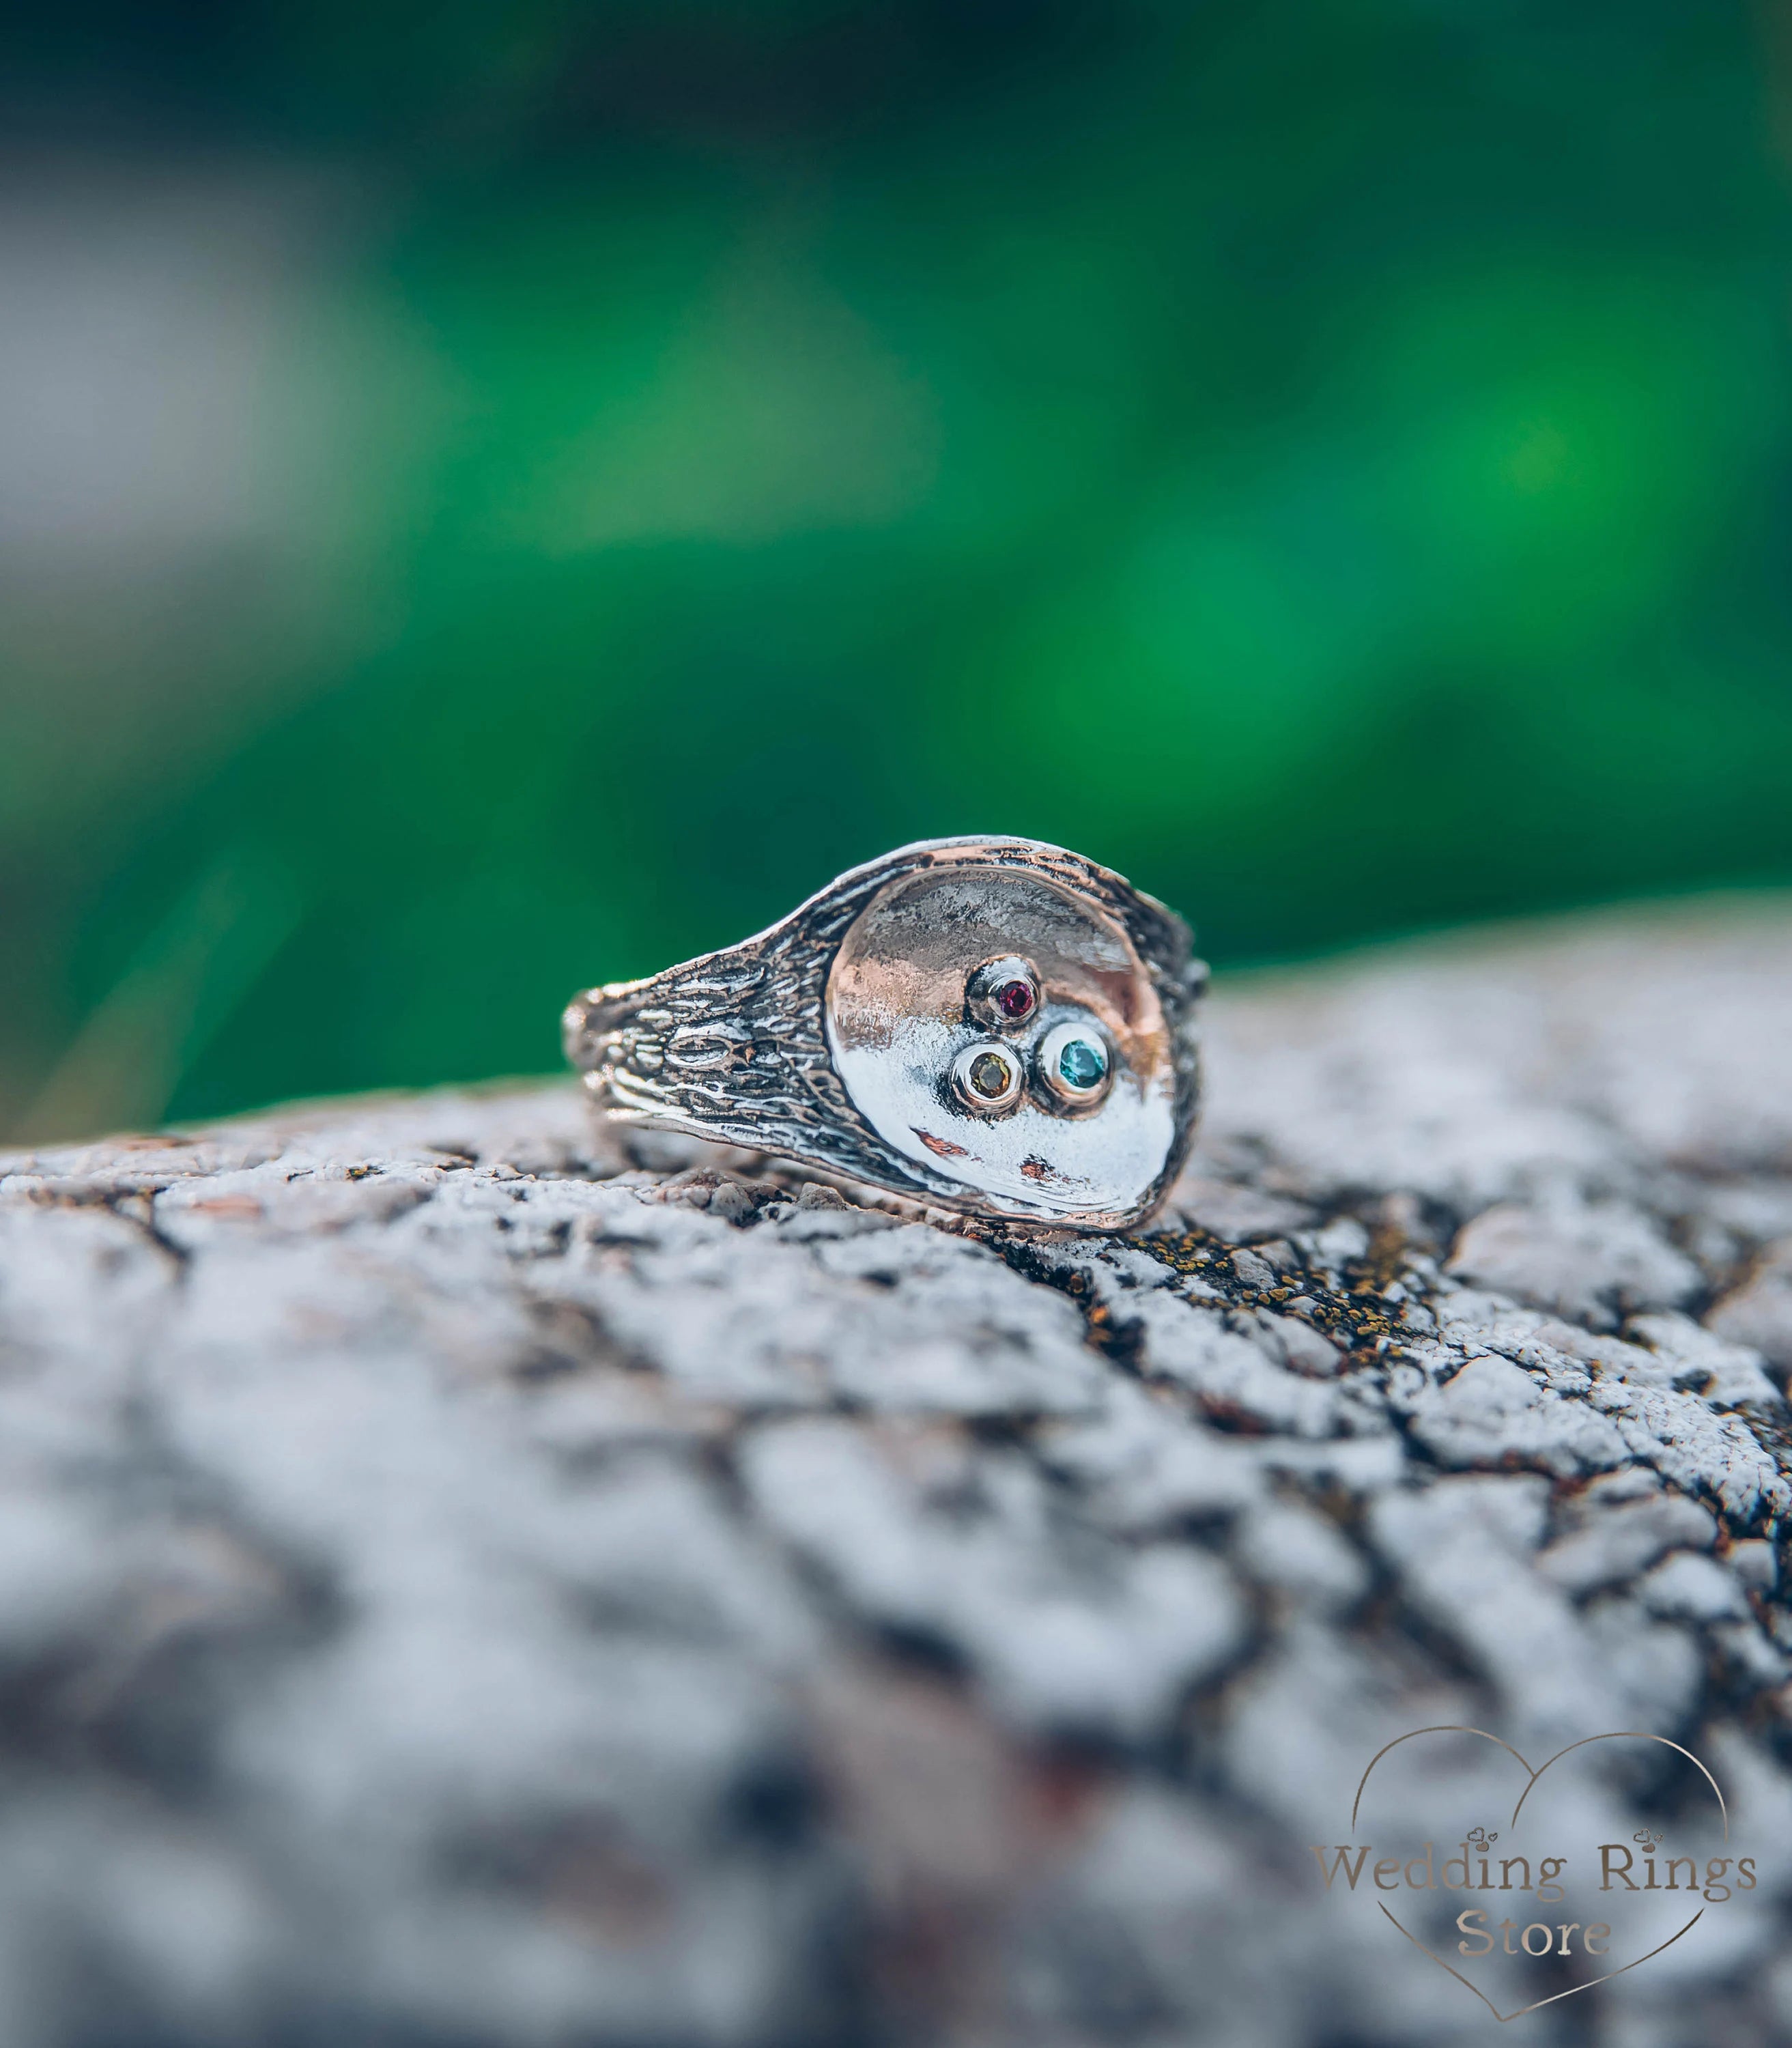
459, 1585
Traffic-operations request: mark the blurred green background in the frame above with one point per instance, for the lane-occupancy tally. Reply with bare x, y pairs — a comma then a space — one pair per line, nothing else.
494, 499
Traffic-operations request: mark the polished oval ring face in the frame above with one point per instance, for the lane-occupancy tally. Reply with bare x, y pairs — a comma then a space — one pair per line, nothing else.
1001, 1029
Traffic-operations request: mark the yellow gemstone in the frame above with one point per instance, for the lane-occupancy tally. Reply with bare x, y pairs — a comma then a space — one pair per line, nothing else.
990, 1076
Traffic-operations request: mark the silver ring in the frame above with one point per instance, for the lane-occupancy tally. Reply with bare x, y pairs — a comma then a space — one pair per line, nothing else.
993, 1025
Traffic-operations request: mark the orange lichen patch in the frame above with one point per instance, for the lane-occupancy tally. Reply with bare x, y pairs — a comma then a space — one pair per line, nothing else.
234, 1209
1357, 1317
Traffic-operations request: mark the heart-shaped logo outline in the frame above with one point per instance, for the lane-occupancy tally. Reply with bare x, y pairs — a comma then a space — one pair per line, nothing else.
1615, 1735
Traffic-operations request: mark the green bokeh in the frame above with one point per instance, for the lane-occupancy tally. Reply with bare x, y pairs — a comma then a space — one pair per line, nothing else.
1333, 464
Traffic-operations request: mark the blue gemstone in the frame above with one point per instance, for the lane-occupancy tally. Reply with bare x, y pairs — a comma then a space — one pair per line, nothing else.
1083, 1063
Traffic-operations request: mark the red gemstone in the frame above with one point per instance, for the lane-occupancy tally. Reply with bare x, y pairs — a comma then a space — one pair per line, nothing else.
1014, 999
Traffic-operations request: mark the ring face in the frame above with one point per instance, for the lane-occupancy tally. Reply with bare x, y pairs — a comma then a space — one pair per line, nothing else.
991, 1025
904, 998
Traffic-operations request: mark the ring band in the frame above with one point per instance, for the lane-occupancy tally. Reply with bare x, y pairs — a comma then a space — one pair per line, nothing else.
992, 1025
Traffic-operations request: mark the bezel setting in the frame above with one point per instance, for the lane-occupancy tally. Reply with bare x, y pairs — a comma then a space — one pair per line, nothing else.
984, 992
963, 1085
1060, 1088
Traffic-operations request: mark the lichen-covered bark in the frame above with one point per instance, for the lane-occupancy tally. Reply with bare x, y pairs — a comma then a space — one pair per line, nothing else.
458, 1584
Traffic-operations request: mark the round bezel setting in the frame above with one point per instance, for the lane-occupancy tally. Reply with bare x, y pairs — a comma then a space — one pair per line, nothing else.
1059, 1050
977, 1067
1002, 995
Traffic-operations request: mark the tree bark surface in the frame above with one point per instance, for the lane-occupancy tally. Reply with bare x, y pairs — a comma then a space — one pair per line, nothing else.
464, 1583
